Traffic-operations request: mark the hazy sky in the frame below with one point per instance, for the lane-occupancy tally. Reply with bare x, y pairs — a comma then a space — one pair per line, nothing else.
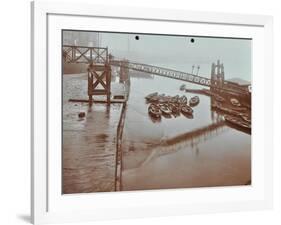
176, 52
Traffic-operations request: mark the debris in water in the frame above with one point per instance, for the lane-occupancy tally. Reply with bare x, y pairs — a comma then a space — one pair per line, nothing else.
81, 114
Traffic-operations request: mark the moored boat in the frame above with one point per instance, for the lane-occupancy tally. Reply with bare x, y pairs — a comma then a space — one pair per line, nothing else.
215, 105
163, 98
246, 118
235, 102
182, 87
175, 109
218, 107
219, 98
175, 99
148, 97
154, 99
182, 100
154, 111
194, 101
240, 109
186, 110
235, 122
165, 109
189, 116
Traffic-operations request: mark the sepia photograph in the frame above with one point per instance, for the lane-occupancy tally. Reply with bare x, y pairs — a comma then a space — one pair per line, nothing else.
154, 111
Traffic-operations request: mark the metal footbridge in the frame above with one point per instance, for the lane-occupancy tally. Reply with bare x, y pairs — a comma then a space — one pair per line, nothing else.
98, 55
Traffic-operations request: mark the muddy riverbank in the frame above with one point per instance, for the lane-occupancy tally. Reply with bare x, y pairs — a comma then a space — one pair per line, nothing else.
89, 143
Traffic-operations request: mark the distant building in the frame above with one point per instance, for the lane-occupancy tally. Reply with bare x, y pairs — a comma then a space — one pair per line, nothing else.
81, 38
237, 82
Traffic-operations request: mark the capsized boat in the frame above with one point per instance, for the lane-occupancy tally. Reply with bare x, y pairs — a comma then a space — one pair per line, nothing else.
194, 101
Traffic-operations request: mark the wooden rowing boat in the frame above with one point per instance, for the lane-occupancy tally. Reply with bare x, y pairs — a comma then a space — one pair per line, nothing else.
246, 118
194, 101
187, 110
235, 122
219, 98
175, 99
235, 102
182, 87
148, 97
182, 100
165, 109
154, 111
174, 107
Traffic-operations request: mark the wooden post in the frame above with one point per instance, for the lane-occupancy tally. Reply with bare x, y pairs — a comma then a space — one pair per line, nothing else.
73, 54
108, 82
90, 85
91, 55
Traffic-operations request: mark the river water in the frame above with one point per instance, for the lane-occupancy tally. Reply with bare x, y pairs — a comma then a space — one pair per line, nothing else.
212, 157
216, 156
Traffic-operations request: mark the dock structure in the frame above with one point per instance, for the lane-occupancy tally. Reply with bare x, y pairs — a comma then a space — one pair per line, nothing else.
99, 68
99, 81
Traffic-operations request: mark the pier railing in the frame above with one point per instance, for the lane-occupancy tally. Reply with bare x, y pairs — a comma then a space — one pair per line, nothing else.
84, 54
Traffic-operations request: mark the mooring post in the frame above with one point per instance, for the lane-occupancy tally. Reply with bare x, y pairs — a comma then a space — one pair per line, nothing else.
108, 83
